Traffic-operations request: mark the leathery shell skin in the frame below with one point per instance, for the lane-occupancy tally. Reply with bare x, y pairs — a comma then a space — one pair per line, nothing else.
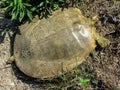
48, 47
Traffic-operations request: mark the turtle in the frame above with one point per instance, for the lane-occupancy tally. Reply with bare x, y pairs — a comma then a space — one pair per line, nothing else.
49, 47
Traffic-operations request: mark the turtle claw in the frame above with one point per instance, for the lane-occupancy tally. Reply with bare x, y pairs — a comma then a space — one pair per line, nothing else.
11, 60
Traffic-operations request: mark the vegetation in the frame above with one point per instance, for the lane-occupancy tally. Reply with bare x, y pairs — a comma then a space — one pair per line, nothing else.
20, 9
77, 79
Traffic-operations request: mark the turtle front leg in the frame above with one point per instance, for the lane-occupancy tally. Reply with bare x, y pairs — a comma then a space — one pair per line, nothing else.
11, 60
103, 42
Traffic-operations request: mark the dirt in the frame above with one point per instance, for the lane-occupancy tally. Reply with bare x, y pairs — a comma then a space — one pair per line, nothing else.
107, 68
104, 73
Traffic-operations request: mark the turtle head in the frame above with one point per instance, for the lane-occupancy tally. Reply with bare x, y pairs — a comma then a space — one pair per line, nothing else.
103, 42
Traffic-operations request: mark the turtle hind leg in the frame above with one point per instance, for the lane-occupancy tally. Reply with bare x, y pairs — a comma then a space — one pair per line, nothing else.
11, 60
103, 42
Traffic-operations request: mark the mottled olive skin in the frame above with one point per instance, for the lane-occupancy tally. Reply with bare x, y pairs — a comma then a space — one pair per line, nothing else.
49, 47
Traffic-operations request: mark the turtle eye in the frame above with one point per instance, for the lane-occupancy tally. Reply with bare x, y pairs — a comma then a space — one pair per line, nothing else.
83, 31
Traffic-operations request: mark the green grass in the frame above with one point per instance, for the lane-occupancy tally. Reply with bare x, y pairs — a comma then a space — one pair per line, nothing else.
94, 55
20, 9
75, 79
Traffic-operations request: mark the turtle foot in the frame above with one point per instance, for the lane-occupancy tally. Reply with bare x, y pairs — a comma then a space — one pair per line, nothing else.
11, 60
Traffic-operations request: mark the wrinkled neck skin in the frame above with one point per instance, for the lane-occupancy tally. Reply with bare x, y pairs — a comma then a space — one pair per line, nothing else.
101, 41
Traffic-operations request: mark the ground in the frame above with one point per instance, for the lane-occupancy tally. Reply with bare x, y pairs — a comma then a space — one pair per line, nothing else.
104, 71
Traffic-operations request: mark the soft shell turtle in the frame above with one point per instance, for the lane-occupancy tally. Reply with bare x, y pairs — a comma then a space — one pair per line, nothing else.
49, 47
